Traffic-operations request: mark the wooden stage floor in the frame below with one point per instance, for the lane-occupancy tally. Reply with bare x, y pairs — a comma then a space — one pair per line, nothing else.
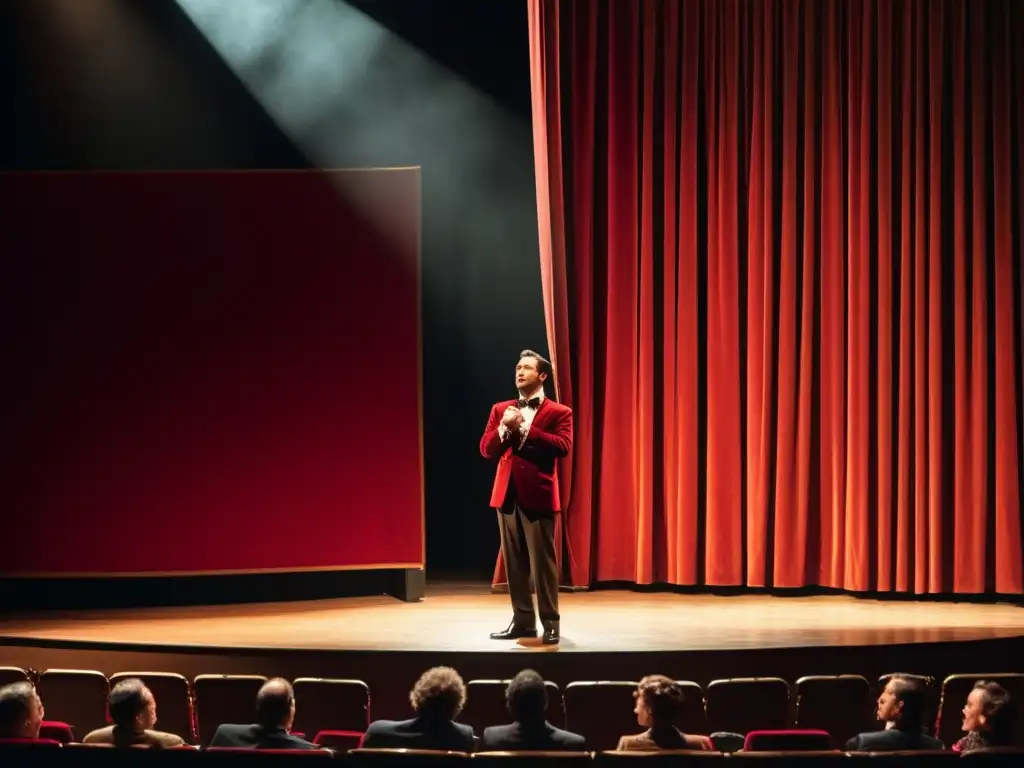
458, 618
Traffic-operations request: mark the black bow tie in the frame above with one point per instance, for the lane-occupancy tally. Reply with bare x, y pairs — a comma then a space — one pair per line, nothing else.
532, 403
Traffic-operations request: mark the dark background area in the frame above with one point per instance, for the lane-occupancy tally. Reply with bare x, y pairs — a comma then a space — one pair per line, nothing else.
138, 87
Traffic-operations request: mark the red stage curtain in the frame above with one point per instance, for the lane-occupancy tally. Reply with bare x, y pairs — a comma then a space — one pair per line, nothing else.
781, 247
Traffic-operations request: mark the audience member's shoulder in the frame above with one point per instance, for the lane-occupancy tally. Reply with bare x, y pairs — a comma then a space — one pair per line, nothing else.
639, 741
165, 739
100, 736
570, 739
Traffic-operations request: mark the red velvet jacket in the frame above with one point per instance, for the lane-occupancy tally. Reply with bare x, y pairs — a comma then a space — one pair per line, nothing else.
535, 465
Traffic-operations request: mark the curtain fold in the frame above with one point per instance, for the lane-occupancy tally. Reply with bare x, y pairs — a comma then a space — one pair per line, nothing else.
781, 252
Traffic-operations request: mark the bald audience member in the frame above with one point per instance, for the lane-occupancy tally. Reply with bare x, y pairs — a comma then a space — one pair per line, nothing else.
132, 707
275, 713
21, 711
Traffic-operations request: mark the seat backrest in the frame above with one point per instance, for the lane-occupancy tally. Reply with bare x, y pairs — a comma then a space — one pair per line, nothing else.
404, 758
665, 758
954, 692
330, 705
787, 741
741, 705
839, 704
223, 699
534, 759
173, 696
922, 758
485, 704
791, 759
602, 711
57, 731
10, 675
77, 697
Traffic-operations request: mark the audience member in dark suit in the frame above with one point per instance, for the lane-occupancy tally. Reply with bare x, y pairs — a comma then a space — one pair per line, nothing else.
527, 701
658, 701
132, 707
902, 708
21, 711
988, 718
437, 698
275, 713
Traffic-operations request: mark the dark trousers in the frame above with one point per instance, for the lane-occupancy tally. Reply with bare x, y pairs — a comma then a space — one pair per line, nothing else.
528, 548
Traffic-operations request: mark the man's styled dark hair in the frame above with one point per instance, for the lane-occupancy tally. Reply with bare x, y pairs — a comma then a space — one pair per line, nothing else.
15, 702
127, 699
543, 364
274, 702
911, 694
527, 697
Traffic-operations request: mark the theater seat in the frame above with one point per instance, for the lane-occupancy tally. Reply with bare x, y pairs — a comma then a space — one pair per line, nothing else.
10, 675
741, 705
56, 731
325, 705
787, 741
485, 704
602, 711
77, 697
223, 699
791, 760
664, 758
339, 741
173, 700
404, 758
839, 704
533, 759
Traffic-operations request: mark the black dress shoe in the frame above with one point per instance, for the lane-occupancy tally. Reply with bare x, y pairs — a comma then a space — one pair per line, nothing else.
514, 632
550, 636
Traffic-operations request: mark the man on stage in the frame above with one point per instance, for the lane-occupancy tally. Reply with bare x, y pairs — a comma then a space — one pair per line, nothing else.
528, 435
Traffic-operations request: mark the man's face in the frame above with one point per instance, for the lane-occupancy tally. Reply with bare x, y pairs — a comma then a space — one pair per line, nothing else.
34, 719
527, 377
888, 704
147, 717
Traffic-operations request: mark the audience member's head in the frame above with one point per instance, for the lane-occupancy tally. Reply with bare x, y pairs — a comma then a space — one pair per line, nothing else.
439, 693
527, 697
132, 706
903, 703
21, 711
989, 712
658, 699
275, 704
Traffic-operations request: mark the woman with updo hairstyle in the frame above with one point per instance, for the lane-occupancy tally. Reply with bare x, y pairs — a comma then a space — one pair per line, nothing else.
988, 718
659, 700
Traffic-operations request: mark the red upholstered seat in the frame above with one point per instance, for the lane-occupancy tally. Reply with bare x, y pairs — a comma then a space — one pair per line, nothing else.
56, 731
224, 699
77, 697
840, 704
328, 705
30, 743
741, 705
787, 741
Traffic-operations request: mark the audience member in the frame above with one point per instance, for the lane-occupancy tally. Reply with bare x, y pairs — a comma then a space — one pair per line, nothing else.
902, 707
658, 701
527, 701
132, 707
21, 711
437, 698
275, 713
988, 718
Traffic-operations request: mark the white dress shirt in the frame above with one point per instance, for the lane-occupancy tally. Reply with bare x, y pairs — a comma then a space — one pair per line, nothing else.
528, 413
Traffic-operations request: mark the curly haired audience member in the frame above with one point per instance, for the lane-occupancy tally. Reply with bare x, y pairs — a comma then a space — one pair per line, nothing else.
437, 698
133, 710
988, 718
658, 701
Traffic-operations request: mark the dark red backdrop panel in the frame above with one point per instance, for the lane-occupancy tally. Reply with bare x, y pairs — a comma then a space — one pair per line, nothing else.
211, 372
